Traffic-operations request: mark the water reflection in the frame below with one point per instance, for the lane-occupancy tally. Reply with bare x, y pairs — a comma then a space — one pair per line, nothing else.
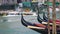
12, 25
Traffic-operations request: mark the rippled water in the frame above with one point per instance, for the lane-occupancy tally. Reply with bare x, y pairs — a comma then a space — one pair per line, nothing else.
12, 25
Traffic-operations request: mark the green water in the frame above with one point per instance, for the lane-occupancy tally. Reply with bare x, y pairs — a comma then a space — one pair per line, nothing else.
12, 25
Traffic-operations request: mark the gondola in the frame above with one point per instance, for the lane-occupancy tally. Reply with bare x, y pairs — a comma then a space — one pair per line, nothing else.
28, 23
34, 27
40, 19
45, 19
42, 29
51, 21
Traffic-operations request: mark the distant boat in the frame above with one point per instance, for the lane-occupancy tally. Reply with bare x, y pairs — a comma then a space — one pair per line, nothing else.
9, 14
29, 13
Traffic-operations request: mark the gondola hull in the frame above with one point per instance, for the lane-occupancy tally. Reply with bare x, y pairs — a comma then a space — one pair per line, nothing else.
35, 28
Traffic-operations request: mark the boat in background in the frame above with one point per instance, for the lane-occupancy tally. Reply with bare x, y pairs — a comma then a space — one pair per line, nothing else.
28, 12
10, 14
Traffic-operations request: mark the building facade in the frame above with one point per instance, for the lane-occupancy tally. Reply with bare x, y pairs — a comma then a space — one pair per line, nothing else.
26, 0
29, 0
18, 1
8, 2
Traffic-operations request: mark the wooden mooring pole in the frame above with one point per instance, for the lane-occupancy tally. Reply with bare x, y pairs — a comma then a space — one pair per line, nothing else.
54, 18
48, 17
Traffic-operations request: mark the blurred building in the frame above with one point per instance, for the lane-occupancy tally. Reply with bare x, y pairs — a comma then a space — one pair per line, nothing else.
55, 0
29, 0
19, 1
42, 1
0, 2
26, 0
8, 2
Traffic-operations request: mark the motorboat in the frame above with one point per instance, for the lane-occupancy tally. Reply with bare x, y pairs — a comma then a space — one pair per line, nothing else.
36, 27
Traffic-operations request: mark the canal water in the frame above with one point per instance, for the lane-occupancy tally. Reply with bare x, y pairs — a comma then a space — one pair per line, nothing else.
13, 25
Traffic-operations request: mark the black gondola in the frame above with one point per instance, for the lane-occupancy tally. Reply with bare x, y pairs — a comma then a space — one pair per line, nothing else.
45, 20
40, 20
44, 17
34, 27
38, 29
